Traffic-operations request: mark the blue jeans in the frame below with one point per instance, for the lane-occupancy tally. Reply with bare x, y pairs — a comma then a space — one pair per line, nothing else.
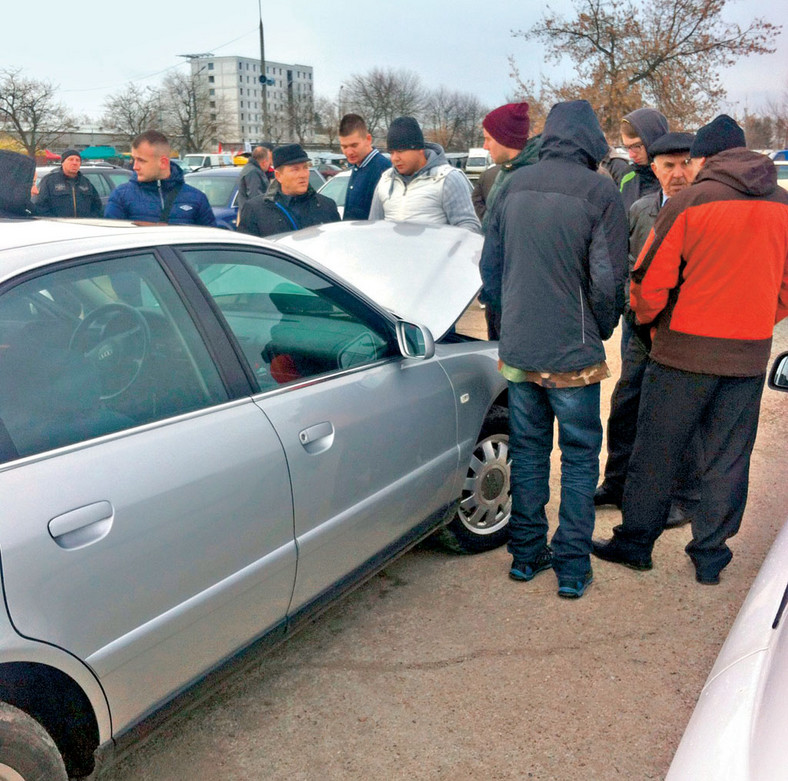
532, 410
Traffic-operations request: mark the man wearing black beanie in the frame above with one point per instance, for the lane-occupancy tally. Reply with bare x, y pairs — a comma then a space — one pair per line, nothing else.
68, 192
711, 281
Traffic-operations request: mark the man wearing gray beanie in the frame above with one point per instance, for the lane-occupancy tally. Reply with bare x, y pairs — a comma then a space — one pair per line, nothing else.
710, 283
421, 185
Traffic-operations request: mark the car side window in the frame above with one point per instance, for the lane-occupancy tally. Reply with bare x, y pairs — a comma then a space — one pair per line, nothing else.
291, 323
98, 181
91, 349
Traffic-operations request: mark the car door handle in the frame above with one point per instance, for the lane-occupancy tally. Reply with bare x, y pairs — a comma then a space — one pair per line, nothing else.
82, 526
317, 438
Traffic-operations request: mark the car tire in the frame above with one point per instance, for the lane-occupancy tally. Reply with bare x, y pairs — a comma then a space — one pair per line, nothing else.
27, 752
481, 522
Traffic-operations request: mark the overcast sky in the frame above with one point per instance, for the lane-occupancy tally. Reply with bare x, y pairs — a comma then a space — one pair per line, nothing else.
92, 49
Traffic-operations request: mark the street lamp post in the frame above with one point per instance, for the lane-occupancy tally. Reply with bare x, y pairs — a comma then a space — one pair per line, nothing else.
264, 80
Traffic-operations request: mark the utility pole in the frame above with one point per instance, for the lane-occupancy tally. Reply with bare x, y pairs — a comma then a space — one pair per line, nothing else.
264, 80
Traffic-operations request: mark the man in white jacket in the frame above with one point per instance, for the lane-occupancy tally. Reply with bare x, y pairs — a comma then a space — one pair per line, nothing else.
421, 186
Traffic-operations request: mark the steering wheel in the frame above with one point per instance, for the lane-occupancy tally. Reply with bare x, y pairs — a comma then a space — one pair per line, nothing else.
116, 339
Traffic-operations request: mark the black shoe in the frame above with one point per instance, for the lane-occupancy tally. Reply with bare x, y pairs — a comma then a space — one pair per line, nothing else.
678, 515
613, 550
606, 495
707, 579
527, 570
574, 588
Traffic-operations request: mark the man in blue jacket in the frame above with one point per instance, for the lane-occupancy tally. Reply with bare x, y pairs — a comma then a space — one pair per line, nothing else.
156, 192
554, 261
367, 164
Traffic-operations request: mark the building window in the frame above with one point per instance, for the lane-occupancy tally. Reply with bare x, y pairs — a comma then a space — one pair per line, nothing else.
213, 104
211, 91
210, 79
241, 79
240, 66
210, 66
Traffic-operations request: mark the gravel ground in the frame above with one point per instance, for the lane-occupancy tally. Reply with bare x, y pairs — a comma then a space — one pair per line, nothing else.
441, 667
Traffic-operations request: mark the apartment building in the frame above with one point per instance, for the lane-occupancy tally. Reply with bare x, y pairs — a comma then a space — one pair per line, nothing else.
235, 90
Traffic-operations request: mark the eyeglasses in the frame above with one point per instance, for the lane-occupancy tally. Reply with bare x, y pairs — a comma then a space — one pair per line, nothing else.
634, 147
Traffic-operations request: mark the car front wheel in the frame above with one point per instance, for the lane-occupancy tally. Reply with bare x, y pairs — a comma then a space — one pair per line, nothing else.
482, 519
27, 752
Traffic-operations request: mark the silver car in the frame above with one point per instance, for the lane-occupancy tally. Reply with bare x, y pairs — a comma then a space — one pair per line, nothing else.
204, 437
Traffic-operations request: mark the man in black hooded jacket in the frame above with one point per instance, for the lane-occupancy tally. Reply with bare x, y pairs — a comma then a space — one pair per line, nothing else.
639, 130
17, 173
555, 260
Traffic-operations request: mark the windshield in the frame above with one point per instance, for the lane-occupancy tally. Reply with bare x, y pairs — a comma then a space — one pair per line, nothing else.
477, 161
335, 189
194, 160
218, 189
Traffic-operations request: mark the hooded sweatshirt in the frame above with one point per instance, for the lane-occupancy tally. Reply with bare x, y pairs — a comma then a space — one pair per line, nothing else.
649, 124
436, 193
555, 253
713, 274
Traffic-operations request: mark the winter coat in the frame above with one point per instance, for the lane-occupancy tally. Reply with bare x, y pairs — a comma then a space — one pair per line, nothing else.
68, 196
436, 193
276, 212
17, 173
144, 201
528, 155
361, 187
713, 275
555, 252
253, 181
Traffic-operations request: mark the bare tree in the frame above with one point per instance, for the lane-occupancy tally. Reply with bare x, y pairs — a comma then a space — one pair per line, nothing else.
665, 53
381, 96
300, 114
453, 119
327, 118
29, 112
190, 120
525, 90
133, 111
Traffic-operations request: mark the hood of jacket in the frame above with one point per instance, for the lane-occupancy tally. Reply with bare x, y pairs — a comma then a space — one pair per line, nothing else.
16, 174
528, 155
649, 123
175, 179
572, 131
748, 172
435, 157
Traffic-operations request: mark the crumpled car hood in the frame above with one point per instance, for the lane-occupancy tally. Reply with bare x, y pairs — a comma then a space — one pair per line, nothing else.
426, 274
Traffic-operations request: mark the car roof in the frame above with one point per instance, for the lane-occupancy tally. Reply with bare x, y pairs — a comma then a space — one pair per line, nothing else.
223, 171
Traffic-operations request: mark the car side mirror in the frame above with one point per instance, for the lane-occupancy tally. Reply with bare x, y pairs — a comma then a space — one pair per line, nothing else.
415, 341
778, 377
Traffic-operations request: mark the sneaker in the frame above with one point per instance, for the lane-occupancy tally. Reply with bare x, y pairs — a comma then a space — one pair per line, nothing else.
526, 570
574, 588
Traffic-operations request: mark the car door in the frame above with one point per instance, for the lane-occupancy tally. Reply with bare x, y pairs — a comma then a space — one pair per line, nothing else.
370, 437
148, 524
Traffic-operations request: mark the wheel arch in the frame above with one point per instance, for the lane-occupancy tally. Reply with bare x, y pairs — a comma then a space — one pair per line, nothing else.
57, 702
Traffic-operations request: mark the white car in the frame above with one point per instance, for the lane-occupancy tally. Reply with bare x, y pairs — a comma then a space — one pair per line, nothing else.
739, 726
336, 189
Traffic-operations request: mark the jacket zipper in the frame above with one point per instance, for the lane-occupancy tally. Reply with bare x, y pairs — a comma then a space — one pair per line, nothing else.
582, 316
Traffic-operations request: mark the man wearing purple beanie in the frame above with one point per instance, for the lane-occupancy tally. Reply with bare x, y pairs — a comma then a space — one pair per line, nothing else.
506, 139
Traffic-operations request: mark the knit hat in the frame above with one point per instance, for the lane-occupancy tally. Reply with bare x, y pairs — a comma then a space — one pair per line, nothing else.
720, 134
671, 144
404, 133
68, 153
289, 154
509, 124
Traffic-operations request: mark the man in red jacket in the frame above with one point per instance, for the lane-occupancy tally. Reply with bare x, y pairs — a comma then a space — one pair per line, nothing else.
709, 284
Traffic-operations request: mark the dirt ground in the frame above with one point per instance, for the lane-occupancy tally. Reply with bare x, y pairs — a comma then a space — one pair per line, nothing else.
441, 667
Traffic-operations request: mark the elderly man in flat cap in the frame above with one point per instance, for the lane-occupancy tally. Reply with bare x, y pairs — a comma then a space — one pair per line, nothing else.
710, 282
290, 203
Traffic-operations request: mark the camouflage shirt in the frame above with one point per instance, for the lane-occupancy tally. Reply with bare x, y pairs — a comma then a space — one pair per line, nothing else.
574, 379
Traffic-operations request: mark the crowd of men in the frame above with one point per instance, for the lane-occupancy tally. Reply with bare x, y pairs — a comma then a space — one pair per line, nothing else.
688, 240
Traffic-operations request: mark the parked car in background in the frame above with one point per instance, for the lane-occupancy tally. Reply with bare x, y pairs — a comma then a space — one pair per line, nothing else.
105, 177
197, 160
738, 729
336, 189
780, 154
479, 160
220, 186
782, 172
328, 169
233, 432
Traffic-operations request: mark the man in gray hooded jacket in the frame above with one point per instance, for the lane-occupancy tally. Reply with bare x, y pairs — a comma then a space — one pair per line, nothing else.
555, 260
421, 186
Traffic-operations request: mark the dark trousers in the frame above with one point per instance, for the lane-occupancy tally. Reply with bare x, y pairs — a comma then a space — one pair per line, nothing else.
721, 413
622, 427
